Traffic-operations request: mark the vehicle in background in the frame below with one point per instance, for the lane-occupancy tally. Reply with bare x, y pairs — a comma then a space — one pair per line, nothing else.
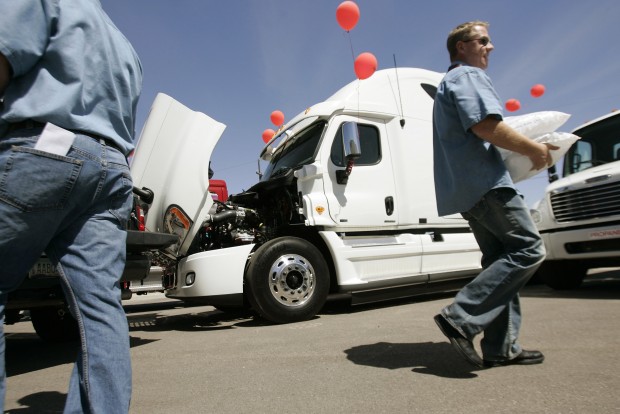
579, 216
346, 204
41, 294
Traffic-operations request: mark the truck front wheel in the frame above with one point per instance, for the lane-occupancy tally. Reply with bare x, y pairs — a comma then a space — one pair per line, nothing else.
287, 280
562, 274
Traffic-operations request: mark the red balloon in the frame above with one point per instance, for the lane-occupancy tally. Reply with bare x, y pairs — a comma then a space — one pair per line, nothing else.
347, 15
268, 134
513, 105
537, 90
365, 65
277, 117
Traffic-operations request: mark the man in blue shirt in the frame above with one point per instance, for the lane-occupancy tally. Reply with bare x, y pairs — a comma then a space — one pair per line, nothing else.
70, 83
471, 179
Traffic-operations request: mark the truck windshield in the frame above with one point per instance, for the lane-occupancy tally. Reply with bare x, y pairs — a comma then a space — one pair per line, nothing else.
296, 151
599, 144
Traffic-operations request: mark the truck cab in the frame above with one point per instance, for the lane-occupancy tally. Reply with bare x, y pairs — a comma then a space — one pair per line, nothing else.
344, 205
579, 216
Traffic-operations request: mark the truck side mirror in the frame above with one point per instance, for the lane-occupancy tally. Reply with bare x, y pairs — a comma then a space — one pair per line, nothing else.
576, 160
552, 174
352, 150
351, 141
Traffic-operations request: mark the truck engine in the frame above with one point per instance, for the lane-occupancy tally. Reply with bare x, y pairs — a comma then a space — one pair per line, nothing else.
254, 216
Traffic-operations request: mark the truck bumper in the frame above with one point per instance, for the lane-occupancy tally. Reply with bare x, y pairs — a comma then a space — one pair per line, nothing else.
583, 243
213, 277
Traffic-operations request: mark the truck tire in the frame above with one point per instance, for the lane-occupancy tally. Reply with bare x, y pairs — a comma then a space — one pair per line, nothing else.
55, 324
562, 274
287, 280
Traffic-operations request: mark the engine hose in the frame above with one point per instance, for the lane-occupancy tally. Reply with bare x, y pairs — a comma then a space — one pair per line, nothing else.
223, 216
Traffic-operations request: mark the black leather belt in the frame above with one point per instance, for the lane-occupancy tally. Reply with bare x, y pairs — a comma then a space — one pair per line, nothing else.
30, 124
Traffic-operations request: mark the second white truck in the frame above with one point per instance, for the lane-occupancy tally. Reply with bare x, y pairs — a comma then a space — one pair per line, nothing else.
579, 217
345, 205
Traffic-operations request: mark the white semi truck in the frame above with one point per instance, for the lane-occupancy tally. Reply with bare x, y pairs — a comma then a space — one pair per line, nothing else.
579, 217
345, 205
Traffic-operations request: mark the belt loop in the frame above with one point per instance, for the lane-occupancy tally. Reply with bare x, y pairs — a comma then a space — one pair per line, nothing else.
104, 151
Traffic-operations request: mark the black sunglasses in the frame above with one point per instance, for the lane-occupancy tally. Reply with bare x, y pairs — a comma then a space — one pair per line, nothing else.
482, 40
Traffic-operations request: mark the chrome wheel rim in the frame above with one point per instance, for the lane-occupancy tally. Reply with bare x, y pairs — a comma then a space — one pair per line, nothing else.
292, 280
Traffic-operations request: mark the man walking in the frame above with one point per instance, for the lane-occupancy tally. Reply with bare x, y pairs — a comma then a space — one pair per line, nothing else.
471, 179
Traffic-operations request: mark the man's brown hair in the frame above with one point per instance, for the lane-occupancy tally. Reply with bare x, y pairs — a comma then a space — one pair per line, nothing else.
461, 33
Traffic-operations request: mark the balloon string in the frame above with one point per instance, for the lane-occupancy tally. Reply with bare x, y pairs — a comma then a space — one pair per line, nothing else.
351, 45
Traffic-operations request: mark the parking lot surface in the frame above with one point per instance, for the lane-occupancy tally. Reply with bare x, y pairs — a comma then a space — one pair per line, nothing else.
381, 358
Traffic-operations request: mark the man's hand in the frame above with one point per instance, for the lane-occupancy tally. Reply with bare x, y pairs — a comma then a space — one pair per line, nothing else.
542, 157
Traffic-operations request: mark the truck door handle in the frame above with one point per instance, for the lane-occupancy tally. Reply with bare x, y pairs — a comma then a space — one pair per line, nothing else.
389, 205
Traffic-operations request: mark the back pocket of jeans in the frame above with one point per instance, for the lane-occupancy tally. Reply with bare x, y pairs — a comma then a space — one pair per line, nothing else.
34, 180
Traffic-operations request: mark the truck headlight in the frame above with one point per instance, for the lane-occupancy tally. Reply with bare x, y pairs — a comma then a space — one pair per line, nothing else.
536, 216
176, 222
190, 278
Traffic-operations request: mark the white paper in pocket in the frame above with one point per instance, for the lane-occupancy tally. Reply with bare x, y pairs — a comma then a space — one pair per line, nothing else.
55, 140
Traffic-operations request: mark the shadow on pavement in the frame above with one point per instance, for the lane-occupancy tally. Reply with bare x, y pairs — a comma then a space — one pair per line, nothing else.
25, 352
433, 358
46, 402
208, 320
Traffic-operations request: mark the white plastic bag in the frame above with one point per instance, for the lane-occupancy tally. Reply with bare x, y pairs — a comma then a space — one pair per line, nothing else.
520, 167
537, 123
539, 126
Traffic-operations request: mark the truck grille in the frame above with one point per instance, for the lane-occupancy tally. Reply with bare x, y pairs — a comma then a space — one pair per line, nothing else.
587, 203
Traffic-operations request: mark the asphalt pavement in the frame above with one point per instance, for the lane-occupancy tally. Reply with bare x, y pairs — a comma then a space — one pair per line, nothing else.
381, 358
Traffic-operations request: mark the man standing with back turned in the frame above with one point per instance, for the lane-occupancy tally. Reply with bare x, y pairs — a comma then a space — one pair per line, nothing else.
471, 179
70, 83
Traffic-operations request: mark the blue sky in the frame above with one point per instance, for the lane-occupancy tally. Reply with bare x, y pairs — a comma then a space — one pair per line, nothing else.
239, 60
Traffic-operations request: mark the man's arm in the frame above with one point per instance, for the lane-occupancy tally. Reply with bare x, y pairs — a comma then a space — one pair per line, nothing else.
5, 73
498, 133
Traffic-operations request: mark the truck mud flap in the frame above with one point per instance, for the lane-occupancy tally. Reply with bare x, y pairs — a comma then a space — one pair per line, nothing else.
137, 267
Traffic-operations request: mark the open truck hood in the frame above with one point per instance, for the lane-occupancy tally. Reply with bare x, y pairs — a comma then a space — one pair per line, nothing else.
172, 159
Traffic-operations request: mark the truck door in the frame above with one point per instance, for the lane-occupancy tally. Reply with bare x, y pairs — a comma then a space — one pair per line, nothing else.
367, 198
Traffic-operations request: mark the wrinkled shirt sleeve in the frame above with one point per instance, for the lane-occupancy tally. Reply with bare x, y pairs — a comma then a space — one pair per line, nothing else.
475, 98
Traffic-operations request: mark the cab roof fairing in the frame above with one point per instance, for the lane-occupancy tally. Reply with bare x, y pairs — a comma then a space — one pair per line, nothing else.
382, 95
595, 121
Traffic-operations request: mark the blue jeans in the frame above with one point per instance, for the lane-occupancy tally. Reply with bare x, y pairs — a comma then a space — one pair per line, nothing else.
512, 250
75, 208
